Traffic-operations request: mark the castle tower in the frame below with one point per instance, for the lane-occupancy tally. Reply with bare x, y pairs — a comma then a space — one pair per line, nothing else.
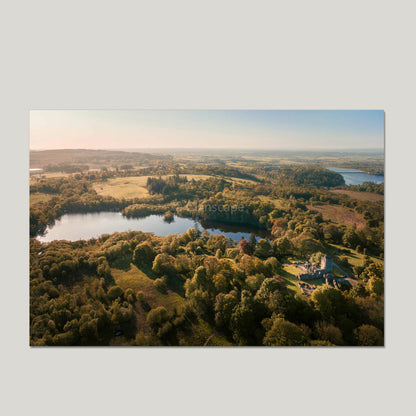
326, 263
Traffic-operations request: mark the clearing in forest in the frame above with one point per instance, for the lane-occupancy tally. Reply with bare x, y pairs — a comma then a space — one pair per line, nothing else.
137, 280
339, 215
360, 196
37, 197
135, 186
128, 187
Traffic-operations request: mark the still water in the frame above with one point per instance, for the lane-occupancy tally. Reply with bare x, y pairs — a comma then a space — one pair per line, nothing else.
75, 227
356, 177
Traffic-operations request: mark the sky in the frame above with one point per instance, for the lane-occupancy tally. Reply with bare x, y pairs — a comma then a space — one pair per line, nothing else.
227, 129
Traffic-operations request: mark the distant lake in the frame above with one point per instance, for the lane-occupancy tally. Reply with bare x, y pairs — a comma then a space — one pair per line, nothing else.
356, 177
75, 227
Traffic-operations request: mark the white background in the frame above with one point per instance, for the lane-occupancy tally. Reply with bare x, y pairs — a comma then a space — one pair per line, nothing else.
211, 54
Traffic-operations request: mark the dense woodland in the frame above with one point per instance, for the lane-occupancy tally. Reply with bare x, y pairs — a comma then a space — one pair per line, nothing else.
195, 285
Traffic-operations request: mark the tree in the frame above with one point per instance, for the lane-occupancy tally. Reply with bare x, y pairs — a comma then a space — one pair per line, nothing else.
114, 293
158, 316
282, 246
376, 285
164, 264
103, 270
350, 238
328, 332
265, 295
306, 245
329, 301
372, 270
200, 278
332, 234
130, 295
88, 330
273, 264
210, 264
143, 254
284, 333
358, 290
252, 240
243, 320
224, 307
200, 300
183, 264
316, 257
263, 249
368, 335
198, 291
246, 264
245, 247
221, 283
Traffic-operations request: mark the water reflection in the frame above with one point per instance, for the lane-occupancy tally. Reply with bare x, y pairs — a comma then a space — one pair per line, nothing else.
75, 227
356, 177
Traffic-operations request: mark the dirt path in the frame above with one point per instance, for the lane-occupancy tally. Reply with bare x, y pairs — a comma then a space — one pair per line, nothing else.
210, 338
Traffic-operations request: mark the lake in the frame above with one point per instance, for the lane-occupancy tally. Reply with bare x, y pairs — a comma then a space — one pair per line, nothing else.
356, 177
75, 227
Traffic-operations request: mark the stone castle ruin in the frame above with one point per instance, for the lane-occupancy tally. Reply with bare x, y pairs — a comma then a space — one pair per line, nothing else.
315, 271
324, 271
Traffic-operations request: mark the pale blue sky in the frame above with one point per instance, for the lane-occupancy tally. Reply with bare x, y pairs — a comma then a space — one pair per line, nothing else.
243, 129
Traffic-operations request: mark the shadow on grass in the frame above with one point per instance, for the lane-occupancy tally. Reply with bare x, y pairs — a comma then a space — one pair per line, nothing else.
291, 280
174, 282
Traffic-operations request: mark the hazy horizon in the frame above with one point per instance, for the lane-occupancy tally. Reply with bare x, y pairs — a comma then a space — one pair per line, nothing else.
224, 149
245, 130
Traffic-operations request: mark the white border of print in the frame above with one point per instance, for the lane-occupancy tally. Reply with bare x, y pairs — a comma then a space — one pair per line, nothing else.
236, 55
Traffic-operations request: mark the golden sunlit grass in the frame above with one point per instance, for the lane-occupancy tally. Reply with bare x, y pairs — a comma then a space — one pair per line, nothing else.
137, 280
354, 257
339, 215
278, 203
289, 273
360, 196
37, 197
129, 187
41, 174
135, 186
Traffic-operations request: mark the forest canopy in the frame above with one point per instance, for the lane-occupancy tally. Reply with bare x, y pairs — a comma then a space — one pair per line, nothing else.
135, 288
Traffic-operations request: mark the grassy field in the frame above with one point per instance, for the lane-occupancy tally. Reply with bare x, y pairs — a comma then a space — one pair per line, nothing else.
41, 174
360, 196
354, 257
278, 203
129, 187
339, 215
289, 273
37, 197
135, 186
136, 279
